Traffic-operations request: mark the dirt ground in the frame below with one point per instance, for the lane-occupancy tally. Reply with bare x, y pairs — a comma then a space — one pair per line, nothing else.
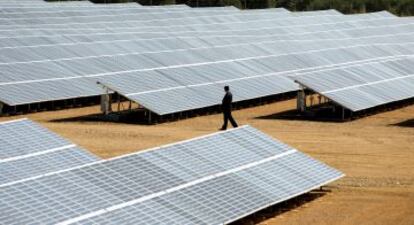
376, 153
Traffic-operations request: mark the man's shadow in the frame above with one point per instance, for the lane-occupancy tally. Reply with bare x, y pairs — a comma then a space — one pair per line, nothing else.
406, 123
134, 117
316, 114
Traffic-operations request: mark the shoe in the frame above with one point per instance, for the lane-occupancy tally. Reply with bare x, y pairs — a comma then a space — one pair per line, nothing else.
222, 128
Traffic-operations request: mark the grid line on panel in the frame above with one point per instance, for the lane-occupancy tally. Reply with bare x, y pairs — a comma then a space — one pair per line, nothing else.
37, 153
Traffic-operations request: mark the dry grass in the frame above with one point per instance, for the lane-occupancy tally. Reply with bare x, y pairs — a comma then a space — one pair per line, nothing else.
376, 154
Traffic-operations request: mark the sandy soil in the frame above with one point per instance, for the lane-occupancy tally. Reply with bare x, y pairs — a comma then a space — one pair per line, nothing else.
375, 152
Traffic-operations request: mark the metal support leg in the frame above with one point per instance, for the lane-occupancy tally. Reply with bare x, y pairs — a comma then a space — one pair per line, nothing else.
149, 117
343, 113
119, 103
104, 108
106, 103
301, 101
311, 100
1, 108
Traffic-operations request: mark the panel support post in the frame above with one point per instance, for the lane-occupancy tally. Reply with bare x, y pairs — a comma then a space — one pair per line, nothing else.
149, 117
106, 106
119, 103
301, 100
1, 108
343, 113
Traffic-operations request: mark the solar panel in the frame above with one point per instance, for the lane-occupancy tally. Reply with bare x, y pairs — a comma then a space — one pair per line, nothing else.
30, 150
364, 86
214, 179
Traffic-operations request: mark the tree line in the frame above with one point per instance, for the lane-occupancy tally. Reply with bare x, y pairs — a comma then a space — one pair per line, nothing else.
398, 7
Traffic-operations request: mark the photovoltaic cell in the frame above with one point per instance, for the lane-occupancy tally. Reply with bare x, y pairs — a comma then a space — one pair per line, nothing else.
214, 179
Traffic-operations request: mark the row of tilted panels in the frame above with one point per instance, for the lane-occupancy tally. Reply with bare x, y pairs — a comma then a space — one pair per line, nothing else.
213, 179
171, 59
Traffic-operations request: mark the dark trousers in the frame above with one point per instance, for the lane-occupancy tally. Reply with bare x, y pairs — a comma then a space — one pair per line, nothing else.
227, 116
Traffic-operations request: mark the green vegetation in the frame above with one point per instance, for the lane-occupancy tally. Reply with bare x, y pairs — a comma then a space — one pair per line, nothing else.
398, 7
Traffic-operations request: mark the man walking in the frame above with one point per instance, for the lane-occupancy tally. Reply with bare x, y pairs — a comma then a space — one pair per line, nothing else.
226, 107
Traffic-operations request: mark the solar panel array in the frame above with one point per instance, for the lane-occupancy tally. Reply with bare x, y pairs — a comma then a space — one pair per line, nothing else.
364, 86
28, 150
197, 86
214, 179
157, 56
41, 3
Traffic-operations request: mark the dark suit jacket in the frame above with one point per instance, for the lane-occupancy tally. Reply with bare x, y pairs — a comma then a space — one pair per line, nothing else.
227, 100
